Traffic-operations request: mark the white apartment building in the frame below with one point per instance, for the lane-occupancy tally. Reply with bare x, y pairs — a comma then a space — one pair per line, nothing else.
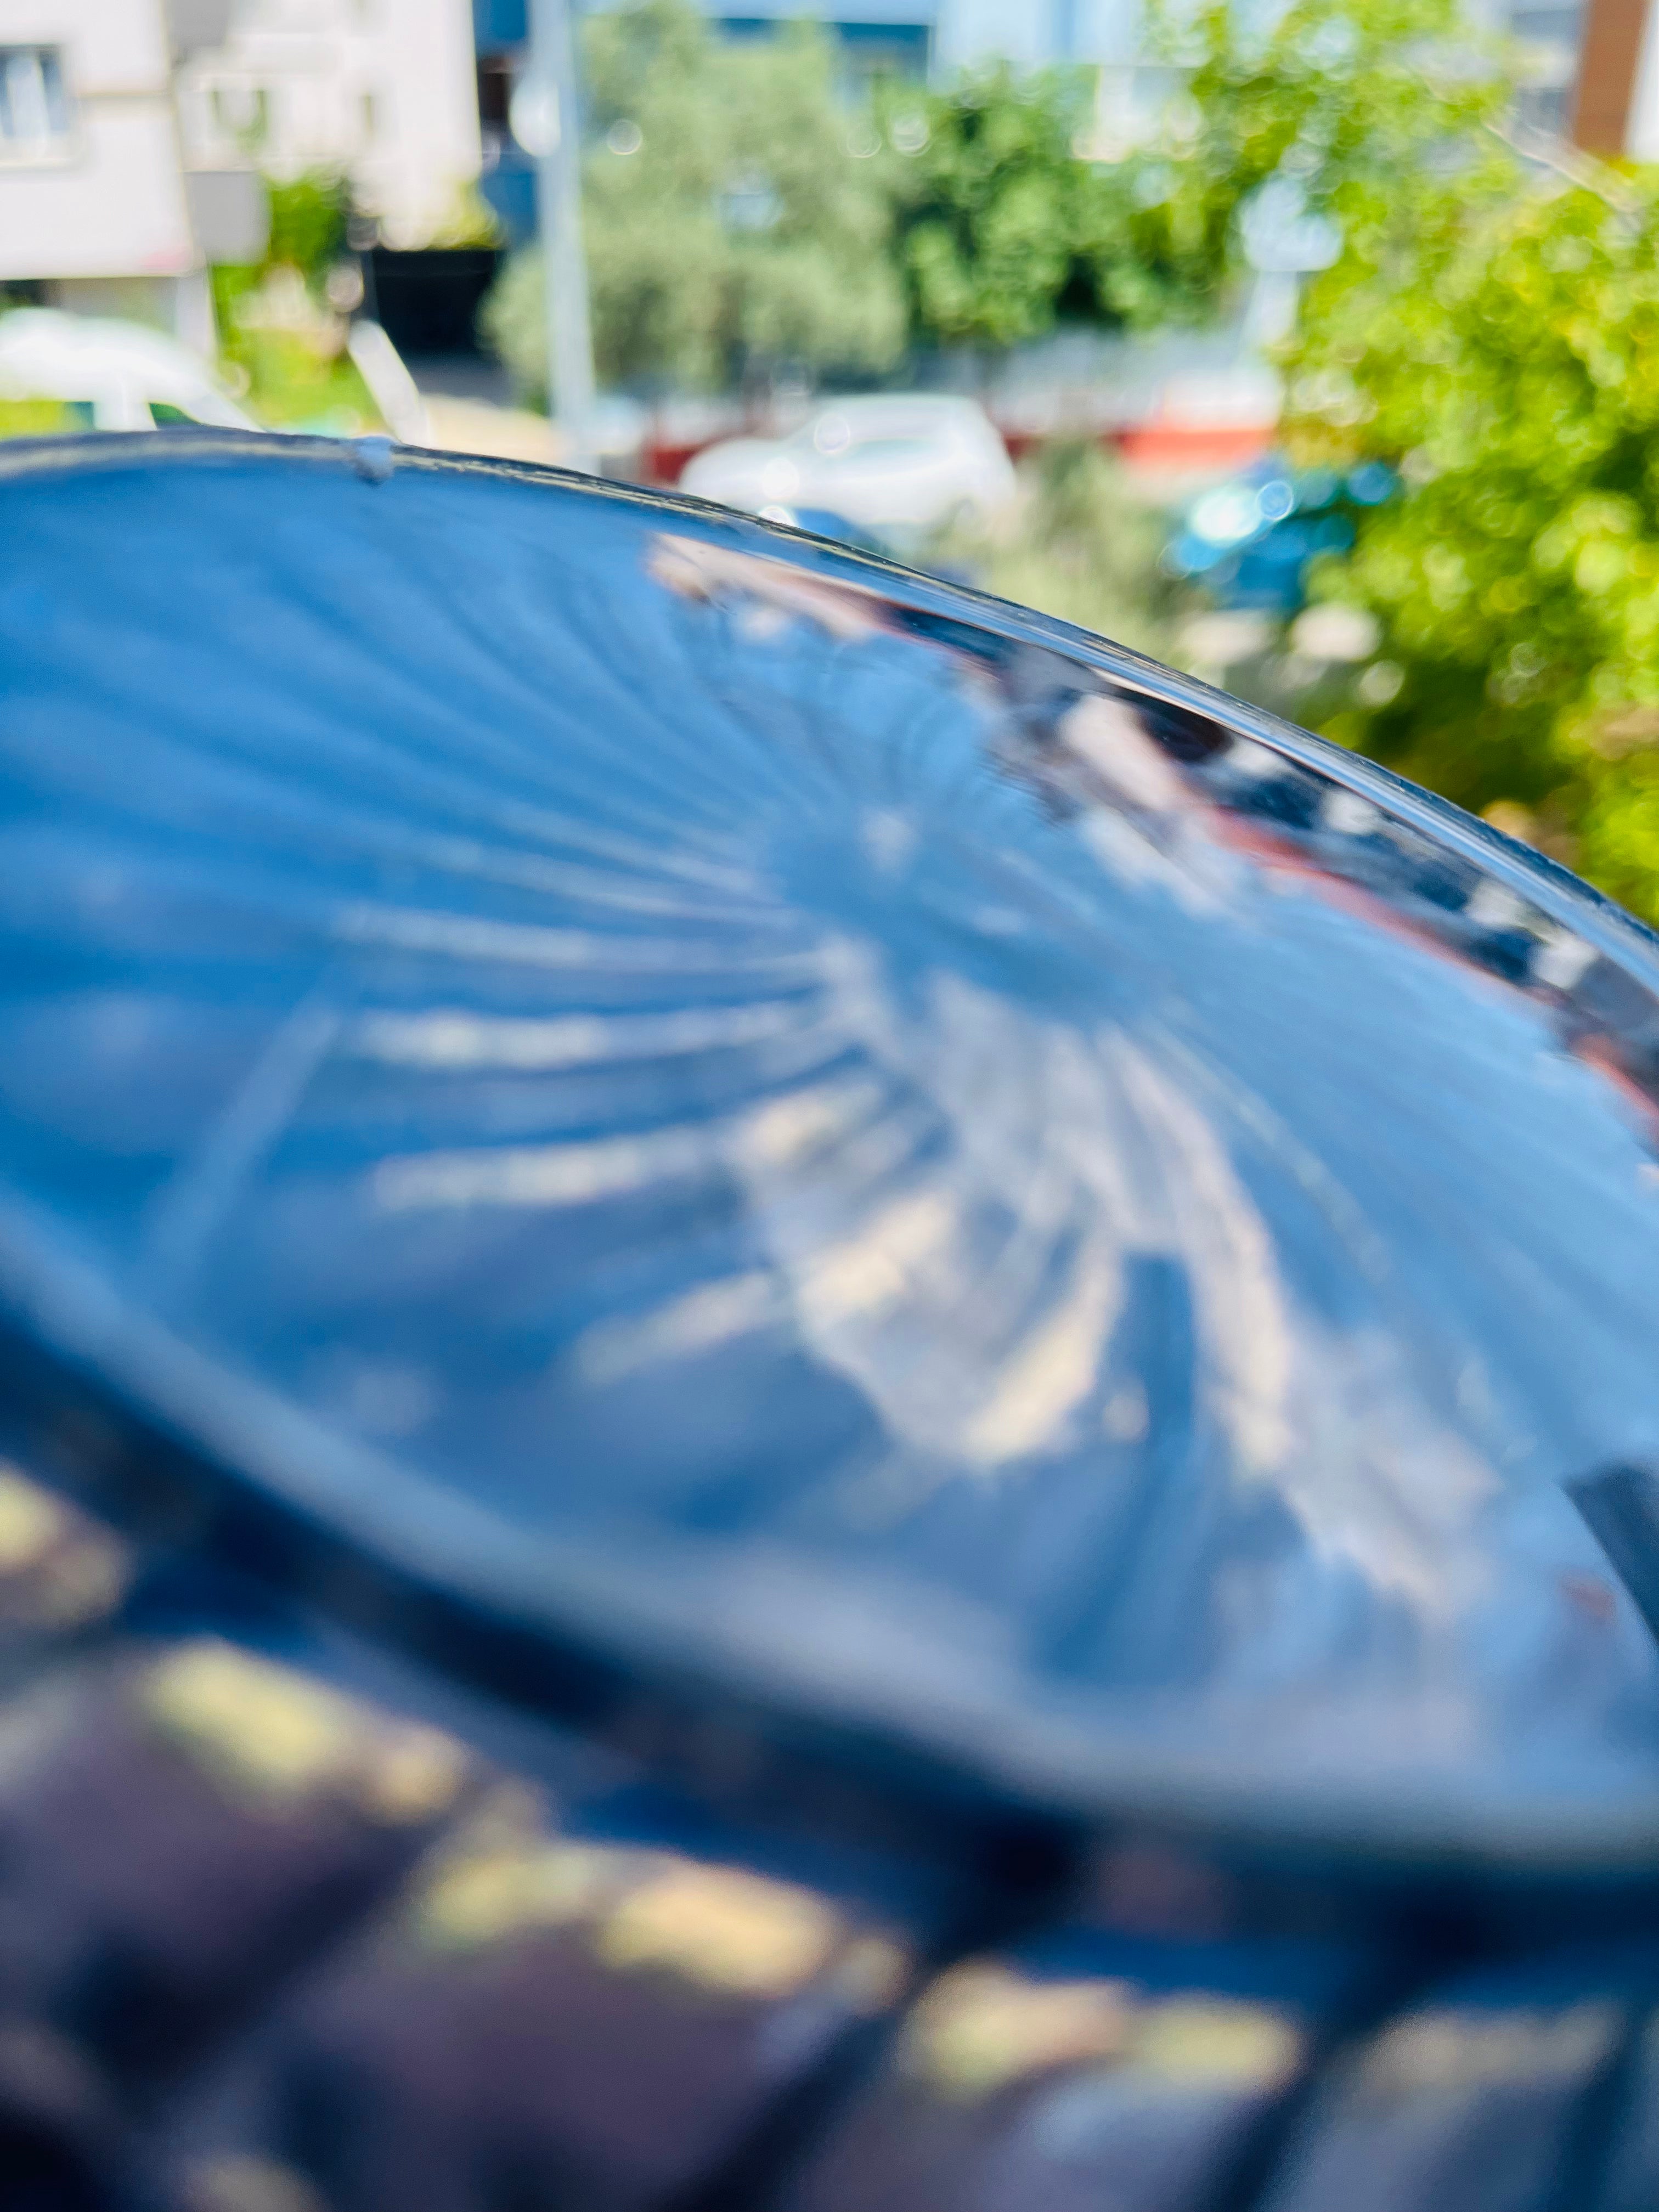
383, 89
133, 133
95, 198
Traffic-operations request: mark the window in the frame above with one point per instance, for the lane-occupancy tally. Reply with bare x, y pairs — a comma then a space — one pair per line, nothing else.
35, 109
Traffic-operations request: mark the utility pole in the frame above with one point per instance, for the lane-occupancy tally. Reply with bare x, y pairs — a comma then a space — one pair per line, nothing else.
559, 208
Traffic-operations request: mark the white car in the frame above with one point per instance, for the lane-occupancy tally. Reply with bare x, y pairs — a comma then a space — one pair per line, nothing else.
899, 466
119, 375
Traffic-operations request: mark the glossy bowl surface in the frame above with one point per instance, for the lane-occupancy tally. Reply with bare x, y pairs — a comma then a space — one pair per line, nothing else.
781, 1123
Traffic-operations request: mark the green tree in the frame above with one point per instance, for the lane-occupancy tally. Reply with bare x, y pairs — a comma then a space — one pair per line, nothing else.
1331, 101
1491, 332
993, 203
734, 219
1488, 329
1013, 215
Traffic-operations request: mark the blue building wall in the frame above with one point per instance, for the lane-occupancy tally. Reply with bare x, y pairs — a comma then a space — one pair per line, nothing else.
918, 33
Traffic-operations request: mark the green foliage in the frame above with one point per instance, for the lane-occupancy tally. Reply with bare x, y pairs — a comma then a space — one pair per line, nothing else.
309, 218
994, 205
731, 225
511, 322
233, 285
36, 418
1006, 225
278, 337
1494, 337
1011, 216
1336, 100
470, 220
293, 386
1079, 545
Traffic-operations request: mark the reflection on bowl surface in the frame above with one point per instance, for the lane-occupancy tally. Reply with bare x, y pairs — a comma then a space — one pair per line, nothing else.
769, 1116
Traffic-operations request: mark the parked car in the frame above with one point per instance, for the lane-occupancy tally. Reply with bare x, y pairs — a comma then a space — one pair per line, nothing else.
900, 464
113, 375
1251, 539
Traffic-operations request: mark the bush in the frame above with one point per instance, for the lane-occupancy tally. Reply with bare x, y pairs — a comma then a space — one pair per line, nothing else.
36, 418
309, 218
1493, 335
1079, 545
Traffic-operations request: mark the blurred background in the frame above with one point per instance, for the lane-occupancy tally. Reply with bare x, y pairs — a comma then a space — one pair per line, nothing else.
1315, 349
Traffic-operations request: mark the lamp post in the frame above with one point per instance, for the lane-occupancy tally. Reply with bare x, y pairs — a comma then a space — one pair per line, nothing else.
555, 123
